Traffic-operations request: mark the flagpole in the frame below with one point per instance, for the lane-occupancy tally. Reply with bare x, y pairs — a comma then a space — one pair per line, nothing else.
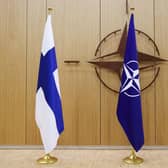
132, 159
47, 158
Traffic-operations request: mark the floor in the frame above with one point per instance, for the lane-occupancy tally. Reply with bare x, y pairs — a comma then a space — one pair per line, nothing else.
82, 159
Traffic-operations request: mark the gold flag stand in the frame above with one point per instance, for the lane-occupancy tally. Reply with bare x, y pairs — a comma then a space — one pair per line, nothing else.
133, 159
47, 159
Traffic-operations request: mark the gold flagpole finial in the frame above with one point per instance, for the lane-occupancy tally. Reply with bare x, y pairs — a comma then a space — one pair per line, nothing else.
50, 10
130, 7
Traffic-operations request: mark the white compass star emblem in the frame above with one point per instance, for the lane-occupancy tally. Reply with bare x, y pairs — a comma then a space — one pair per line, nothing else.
131, 80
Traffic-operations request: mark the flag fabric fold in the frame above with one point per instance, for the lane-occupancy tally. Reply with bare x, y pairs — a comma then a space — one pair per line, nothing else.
48, 110
129, 103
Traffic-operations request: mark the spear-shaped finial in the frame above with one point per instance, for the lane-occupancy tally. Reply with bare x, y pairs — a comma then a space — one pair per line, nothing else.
129, 6
50, 10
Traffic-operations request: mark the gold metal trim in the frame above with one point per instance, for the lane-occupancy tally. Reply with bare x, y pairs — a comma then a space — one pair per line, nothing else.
47, 159
133, 159
50, 10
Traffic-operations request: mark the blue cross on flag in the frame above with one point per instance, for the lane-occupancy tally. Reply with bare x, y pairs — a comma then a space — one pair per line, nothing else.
48, 113
129, 103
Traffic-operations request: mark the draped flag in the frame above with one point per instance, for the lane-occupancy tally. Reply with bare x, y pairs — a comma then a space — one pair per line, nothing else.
129, 103
48, 112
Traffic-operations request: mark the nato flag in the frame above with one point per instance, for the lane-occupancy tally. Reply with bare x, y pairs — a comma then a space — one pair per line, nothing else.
129, 103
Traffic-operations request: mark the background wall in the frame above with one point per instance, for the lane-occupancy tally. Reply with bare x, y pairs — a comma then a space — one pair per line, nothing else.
89, 108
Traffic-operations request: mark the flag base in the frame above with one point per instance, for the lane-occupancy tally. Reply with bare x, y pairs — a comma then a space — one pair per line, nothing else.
133, 159
47, 159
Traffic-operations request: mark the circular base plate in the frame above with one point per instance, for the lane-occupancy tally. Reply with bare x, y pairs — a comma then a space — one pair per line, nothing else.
47, 159
133, 160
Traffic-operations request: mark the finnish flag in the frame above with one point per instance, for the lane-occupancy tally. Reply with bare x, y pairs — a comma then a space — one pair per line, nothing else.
48, 110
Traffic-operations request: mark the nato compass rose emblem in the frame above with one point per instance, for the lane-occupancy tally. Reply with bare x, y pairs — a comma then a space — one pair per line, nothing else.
108, 62
130, 85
